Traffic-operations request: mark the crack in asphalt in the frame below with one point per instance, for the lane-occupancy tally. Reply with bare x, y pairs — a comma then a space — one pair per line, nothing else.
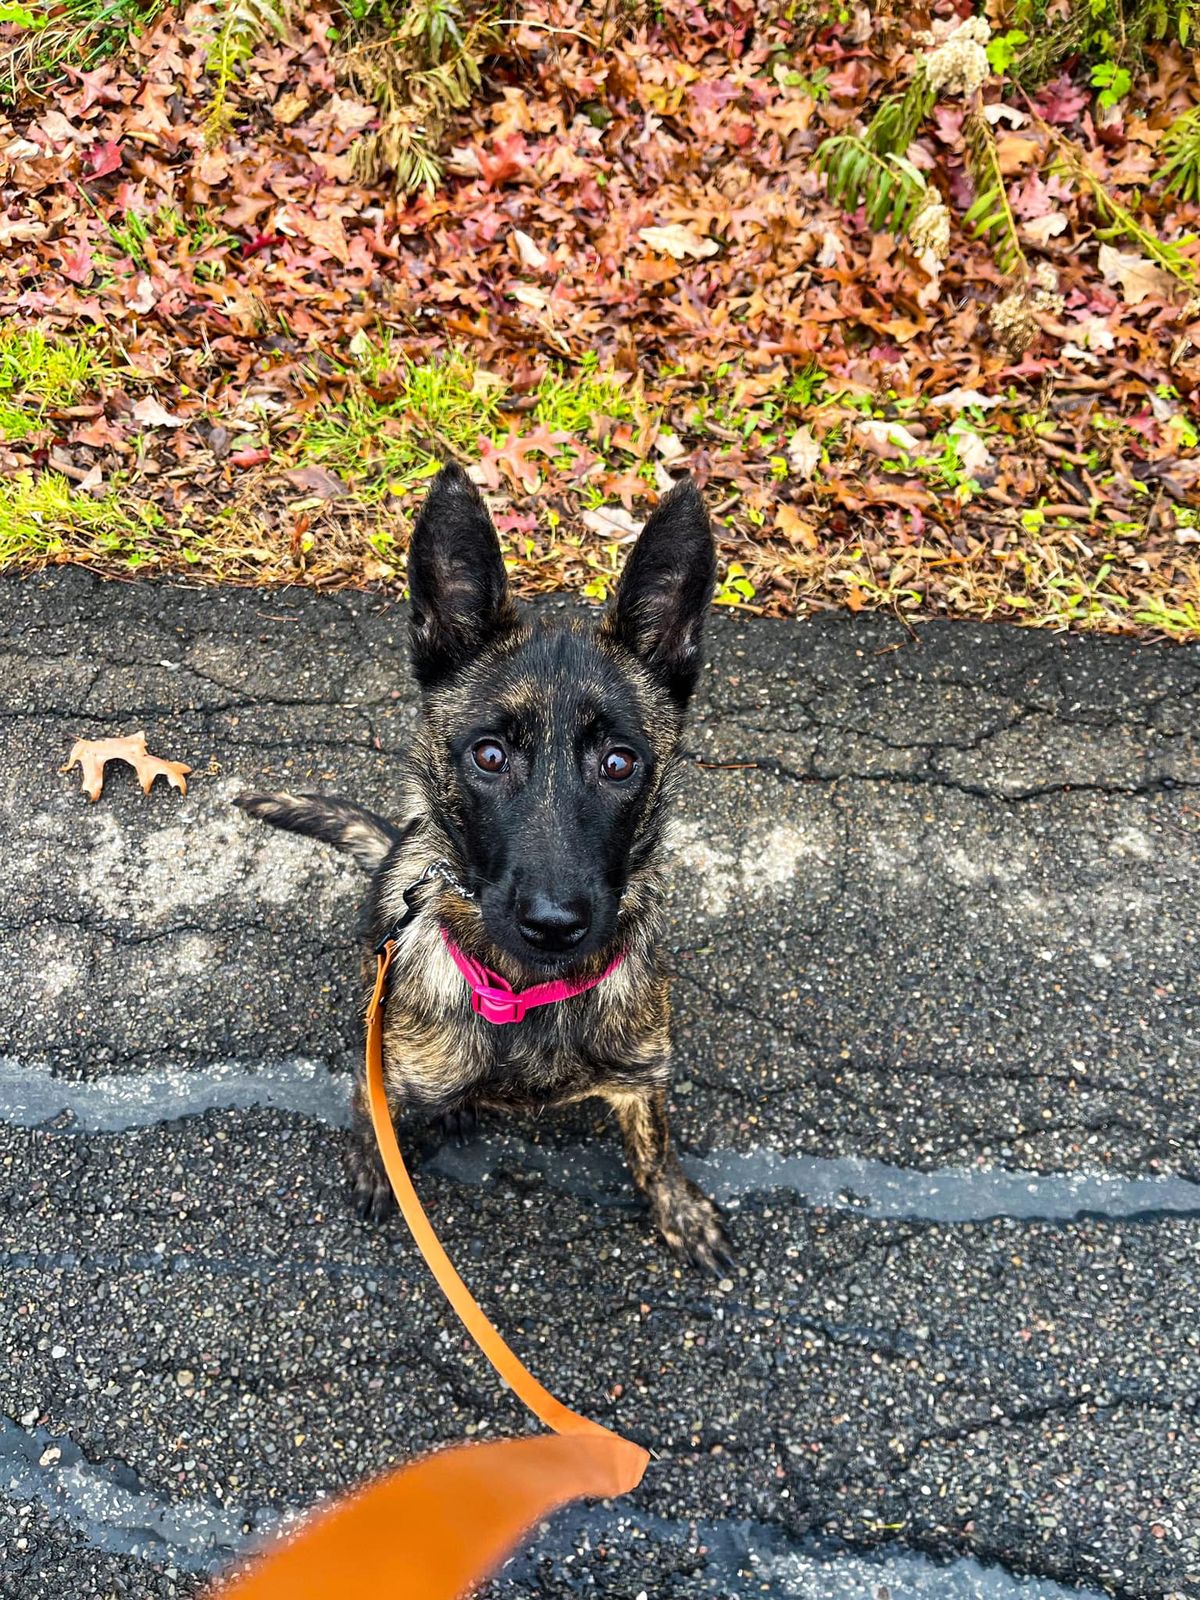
775, 768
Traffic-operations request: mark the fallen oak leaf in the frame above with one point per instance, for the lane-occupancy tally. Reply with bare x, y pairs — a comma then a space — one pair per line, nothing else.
1015, 152
91, 756
886, 438
290, 108
1061, 102
324, 233
530, 253
1137, 278
612, 522
803, 453
317, 480
141, 296
22, 232
1040, 230
679, 241
75, 263
512, 456
96, 86
958, 399
151, 413
504, 160
795, 527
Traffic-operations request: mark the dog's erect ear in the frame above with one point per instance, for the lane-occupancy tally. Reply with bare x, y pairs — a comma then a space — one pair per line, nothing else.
456, 579
665, 591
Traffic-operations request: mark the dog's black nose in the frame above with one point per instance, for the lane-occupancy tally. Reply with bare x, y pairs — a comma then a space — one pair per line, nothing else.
553, 926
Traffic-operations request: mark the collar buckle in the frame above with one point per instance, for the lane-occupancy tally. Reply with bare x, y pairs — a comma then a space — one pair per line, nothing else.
498, 1006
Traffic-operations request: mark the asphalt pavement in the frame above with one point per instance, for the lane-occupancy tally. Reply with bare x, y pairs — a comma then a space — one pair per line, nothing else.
934, 930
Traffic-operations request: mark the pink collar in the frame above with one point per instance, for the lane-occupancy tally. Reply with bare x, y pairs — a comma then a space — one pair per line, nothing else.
497, 1001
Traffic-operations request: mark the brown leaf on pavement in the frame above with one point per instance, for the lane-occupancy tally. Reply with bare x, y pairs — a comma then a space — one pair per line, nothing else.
91, 756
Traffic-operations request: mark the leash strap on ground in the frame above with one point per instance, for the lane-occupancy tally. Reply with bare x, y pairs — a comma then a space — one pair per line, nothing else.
436, 1528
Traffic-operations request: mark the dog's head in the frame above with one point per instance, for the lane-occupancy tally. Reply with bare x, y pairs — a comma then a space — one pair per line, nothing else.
547, 747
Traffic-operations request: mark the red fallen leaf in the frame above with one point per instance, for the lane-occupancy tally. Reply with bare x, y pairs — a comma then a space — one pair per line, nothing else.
76, 263
101, 159
259, 243
506, 157
1061, 101
1144, 424
248, 458
713, 93
947, 122
515, 521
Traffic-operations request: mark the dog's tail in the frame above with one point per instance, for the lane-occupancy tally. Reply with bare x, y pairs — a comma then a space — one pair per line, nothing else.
354, 829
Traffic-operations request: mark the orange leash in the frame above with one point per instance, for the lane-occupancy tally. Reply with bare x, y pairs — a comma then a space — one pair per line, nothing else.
434, 1529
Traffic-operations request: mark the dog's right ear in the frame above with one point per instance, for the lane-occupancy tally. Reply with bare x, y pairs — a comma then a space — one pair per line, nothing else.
456, 579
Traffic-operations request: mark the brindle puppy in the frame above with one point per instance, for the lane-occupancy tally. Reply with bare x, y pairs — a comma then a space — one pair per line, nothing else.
540, 776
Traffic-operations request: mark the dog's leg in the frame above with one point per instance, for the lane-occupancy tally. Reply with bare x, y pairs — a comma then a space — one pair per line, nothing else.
687, 1219
373, 1198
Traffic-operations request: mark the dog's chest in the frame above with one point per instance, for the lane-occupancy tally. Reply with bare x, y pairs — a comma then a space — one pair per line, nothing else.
544, 1059
536, 1061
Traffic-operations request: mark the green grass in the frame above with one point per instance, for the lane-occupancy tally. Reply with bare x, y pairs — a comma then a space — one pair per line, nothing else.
207, 242
17, 422
41, 374
399, 418
44, 519
1181, 621
570, 402
47, 367
54, 34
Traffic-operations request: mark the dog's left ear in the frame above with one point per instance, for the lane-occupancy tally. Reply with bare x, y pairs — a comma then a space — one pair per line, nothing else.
666, 589
456, 579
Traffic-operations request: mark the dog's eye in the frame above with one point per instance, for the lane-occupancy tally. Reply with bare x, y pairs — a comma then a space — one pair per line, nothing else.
618, 765
490, 756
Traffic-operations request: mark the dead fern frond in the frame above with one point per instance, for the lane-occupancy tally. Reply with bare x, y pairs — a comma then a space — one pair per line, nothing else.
419, 75
990, 215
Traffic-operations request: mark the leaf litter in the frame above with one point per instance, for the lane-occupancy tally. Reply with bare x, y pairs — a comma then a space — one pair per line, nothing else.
633, 267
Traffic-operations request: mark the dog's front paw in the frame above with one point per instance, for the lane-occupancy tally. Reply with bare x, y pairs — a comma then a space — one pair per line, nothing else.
691, 1224
458, 1125
373, 1198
